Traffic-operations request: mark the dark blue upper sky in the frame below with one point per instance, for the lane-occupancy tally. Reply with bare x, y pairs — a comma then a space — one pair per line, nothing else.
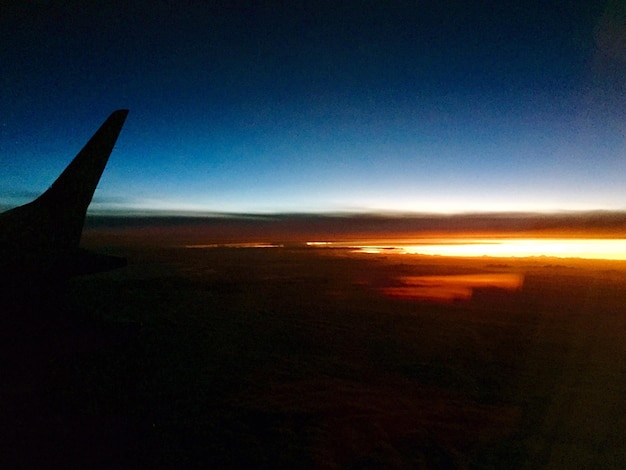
422, 106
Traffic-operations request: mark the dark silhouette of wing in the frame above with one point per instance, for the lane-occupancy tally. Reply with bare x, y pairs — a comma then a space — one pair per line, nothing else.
39, 241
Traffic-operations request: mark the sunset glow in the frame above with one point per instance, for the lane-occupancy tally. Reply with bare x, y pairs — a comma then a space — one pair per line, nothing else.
560, 248
600, 249
237, 245
609, 249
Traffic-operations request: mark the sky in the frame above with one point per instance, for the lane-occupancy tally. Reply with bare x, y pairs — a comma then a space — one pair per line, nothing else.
320, 106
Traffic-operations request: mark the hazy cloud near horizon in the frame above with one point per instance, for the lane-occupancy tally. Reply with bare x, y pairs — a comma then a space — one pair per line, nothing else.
307, 226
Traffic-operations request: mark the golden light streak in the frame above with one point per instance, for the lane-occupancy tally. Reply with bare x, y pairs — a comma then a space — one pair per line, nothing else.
606, 249
237, 245
559, 248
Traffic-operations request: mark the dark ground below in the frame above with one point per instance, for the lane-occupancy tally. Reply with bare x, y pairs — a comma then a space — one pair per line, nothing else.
269, 358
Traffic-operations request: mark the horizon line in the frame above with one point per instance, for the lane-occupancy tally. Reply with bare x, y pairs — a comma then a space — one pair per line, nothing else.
198, 214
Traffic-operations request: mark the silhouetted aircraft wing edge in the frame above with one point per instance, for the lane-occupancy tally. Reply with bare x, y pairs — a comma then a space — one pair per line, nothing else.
39, 241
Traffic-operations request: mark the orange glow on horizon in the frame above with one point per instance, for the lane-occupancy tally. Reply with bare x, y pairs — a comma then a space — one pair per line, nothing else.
601, 249
237, 245
575, 248
520, 248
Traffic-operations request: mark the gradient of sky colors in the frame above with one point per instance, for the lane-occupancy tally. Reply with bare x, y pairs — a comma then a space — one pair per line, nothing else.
321, 106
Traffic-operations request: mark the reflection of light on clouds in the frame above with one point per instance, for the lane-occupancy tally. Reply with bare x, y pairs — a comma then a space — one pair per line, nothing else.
503, 281
609, 249
452, 287
434, 294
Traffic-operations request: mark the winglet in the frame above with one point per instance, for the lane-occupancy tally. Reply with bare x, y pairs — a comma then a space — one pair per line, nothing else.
74, 188
39, 241
47, 230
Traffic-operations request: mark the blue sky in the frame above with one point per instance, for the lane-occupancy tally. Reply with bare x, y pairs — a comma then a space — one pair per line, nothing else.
321, 106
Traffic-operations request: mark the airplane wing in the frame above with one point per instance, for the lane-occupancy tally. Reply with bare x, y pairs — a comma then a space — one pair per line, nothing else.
39, 241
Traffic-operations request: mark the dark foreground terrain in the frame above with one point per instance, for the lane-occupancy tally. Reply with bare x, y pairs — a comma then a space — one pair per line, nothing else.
299, 357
